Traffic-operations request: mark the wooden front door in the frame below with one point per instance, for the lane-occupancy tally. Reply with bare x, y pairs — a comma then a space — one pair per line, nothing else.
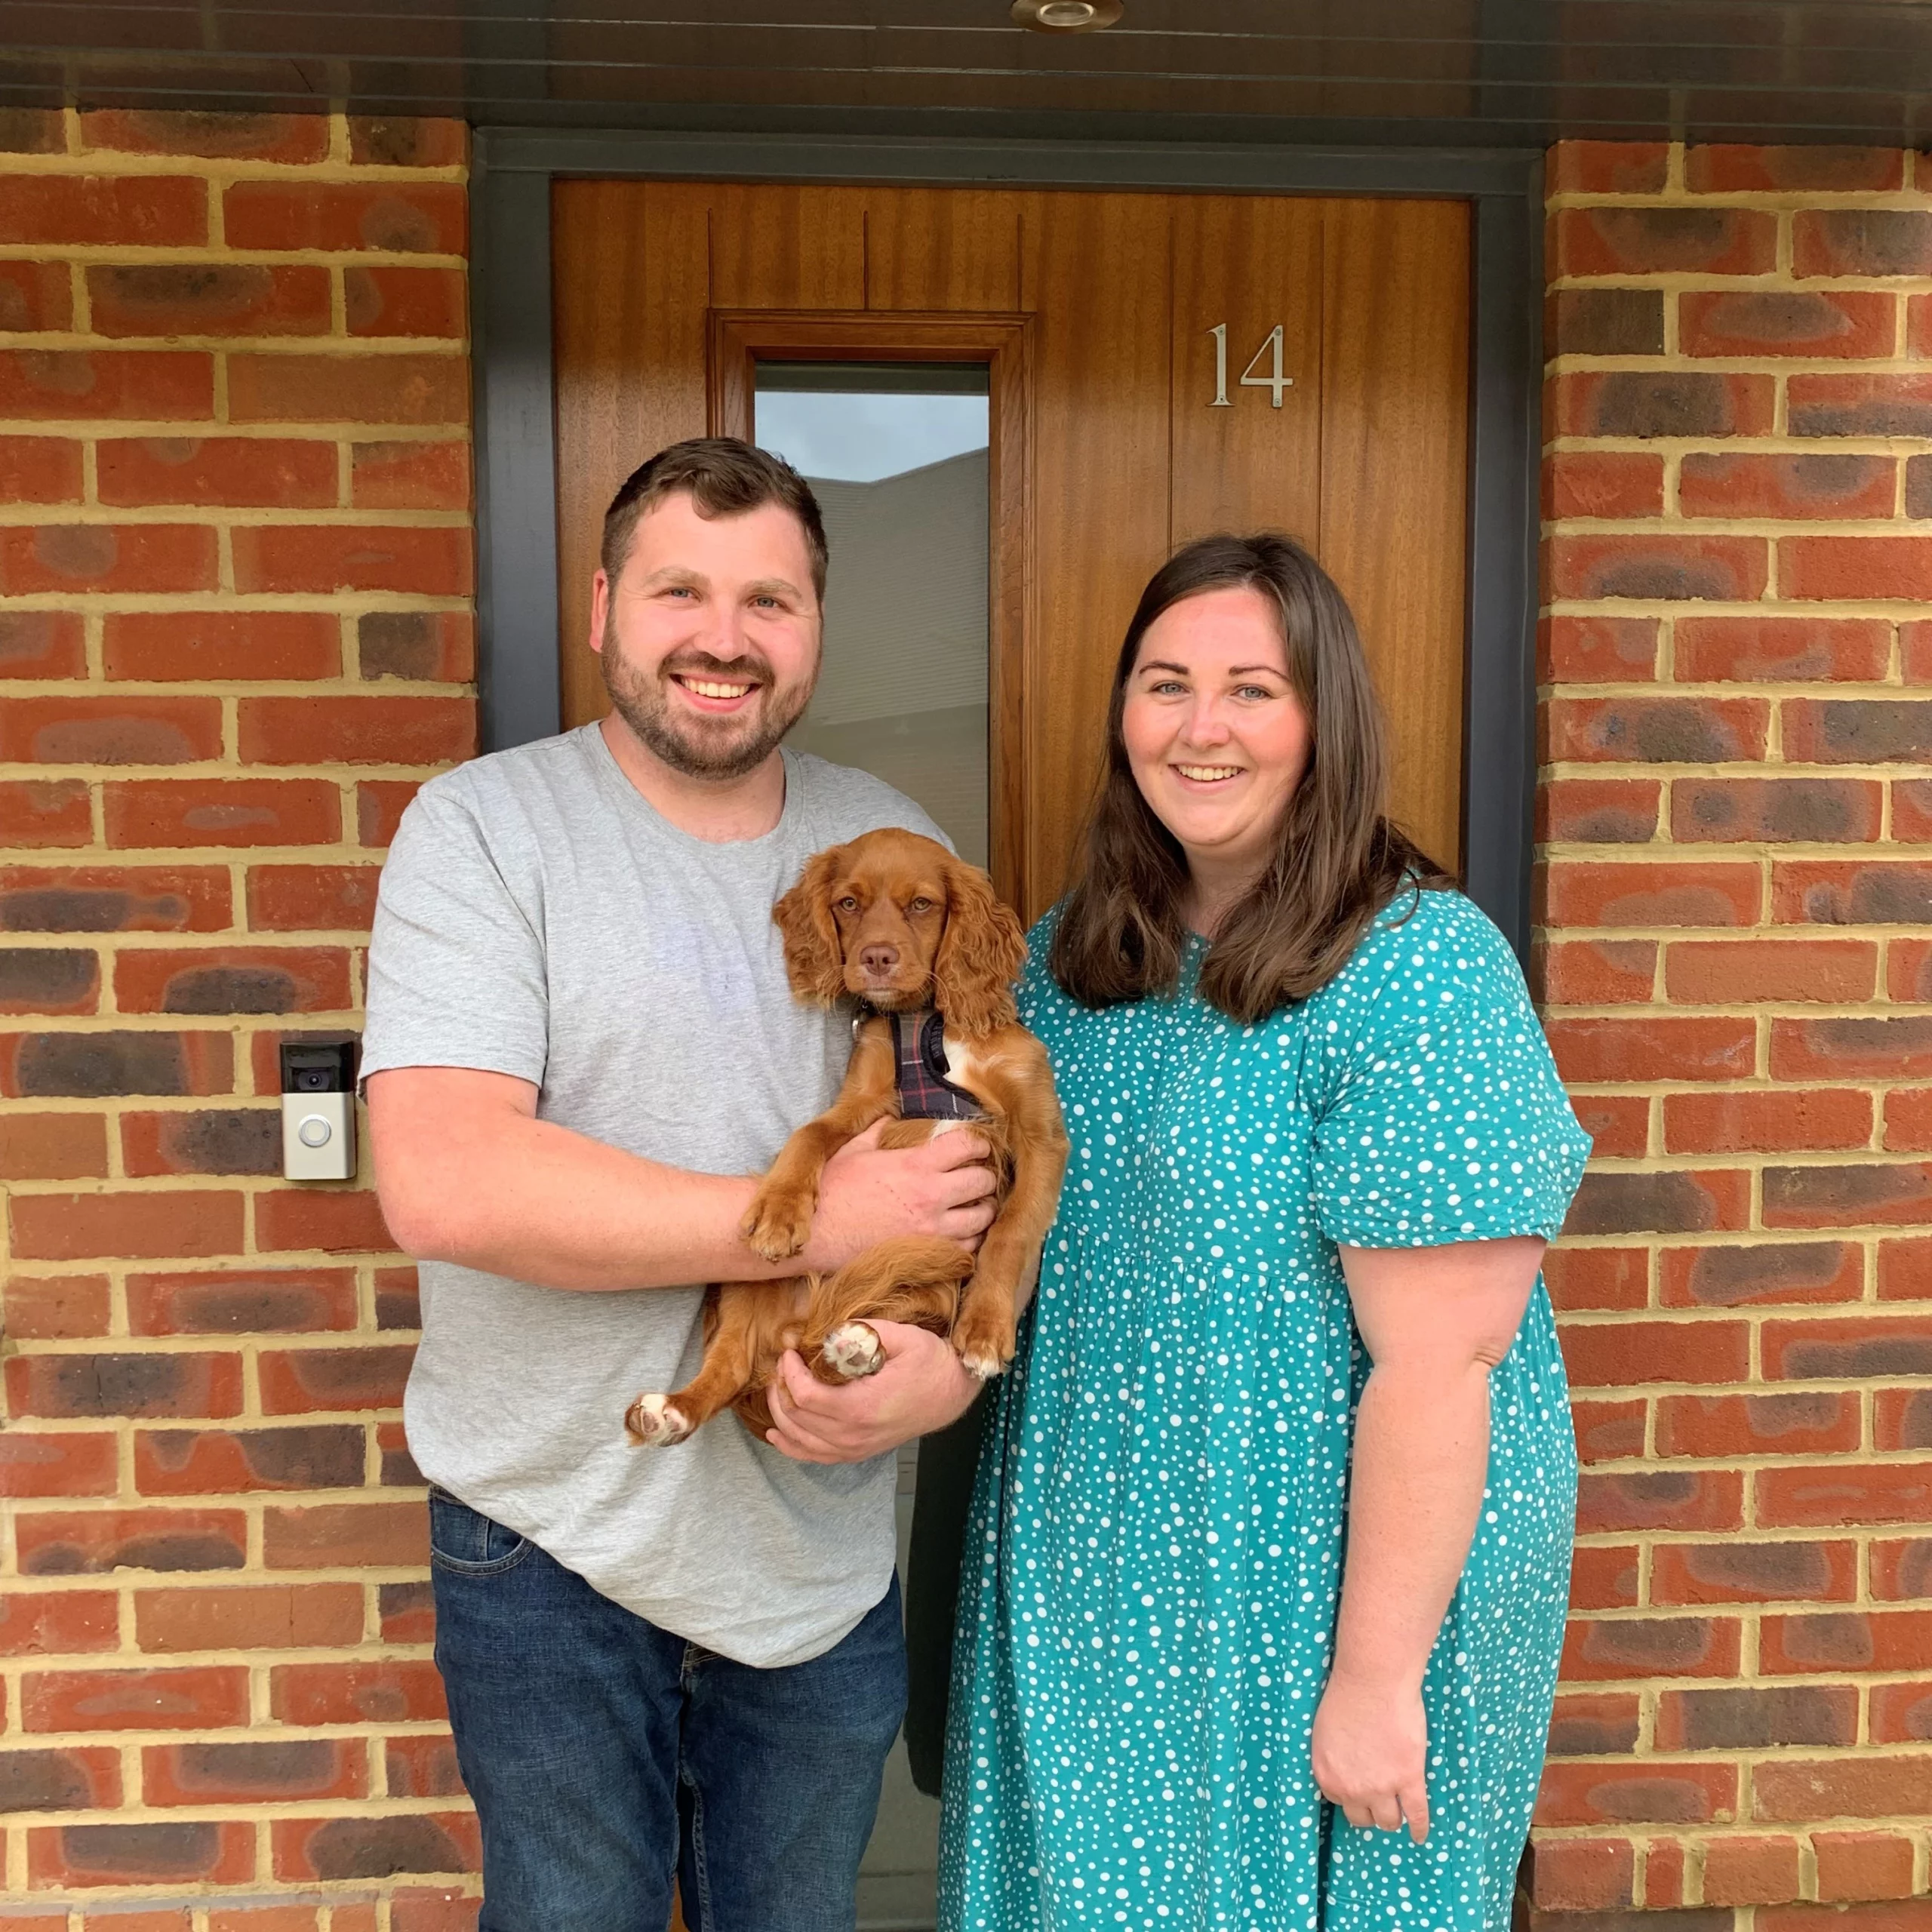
1162, 366
1155, 367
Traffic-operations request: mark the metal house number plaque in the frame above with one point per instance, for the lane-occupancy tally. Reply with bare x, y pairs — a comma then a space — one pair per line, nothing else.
1273, 380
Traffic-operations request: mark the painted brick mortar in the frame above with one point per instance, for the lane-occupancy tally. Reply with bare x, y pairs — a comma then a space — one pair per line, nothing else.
235, 578
1734, 892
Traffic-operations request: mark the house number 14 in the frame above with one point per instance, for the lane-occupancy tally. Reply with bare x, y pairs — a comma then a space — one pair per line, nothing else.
1273, 380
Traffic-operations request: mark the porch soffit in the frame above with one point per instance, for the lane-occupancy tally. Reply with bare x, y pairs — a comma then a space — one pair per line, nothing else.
1509, 73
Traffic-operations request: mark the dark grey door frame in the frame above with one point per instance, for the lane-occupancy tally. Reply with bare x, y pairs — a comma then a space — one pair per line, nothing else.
513, 170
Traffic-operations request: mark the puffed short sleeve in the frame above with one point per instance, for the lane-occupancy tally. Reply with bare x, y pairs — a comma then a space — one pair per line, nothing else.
1439, 1115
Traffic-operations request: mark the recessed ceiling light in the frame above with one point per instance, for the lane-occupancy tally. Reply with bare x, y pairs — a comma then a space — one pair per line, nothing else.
1067, 16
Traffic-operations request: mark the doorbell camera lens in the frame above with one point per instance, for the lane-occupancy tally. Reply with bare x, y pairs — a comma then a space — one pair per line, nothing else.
309, 1067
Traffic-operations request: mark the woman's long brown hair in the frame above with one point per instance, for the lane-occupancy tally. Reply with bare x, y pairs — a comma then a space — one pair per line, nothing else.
1338, 860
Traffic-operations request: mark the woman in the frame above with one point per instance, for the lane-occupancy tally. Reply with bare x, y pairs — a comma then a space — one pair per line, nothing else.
1318, 1145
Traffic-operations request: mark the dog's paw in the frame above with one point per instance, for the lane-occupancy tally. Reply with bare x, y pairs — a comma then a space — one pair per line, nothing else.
777, 1226
654, 1423
853, 1351
984, 1338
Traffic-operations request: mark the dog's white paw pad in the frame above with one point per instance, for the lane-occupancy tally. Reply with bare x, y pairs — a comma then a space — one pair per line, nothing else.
655, 1424
985, 1367
854, 1350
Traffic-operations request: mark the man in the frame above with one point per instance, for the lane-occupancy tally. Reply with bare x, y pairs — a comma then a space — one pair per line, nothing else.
581, 1042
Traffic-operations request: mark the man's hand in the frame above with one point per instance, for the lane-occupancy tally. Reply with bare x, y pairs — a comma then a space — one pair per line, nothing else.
868, 1194
921, 1388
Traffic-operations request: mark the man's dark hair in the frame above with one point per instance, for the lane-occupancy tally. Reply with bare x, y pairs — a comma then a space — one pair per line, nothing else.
723, 476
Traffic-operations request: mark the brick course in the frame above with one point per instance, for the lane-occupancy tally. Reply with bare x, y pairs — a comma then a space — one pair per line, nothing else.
235, 636
1731, 960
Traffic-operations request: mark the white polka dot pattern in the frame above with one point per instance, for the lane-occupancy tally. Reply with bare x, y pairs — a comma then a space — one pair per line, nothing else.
1149, 1594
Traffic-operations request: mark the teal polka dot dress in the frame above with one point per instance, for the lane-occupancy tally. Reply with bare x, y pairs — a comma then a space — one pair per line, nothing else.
1152, 1568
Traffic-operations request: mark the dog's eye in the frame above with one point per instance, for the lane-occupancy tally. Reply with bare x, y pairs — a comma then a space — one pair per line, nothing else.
847, 904
920, 905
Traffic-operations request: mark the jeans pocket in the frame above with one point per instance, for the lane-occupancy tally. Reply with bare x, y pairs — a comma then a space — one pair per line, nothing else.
469, 1543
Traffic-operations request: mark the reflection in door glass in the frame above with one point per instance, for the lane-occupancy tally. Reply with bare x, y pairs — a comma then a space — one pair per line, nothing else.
896, 454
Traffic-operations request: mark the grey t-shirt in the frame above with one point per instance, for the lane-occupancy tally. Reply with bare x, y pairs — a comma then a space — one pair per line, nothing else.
538, 917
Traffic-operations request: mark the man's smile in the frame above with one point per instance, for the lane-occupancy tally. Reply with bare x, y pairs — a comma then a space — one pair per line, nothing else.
715, 694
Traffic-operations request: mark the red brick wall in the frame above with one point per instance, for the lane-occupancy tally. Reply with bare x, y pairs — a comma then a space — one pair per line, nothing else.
234, 633
1735, 898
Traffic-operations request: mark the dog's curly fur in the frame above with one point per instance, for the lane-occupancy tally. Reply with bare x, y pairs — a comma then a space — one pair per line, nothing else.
894, 920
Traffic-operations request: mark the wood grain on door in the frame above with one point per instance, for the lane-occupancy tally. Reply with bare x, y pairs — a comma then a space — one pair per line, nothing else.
1121, 451
1394, 455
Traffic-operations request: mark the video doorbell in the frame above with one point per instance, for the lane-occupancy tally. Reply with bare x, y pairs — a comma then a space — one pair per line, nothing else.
318, 1111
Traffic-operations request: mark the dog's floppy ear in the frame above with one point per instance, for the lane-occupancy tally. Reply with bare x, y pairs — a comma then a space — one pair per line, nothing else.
980, 954
813, 960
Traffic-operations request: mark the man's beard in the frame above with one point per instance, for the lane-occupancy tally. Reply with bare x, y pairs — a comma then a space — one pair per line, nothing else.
712, 747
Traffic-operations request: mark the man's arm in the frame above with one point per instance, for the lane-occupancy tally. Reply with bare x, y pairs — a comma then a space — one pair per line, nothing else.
466, 1173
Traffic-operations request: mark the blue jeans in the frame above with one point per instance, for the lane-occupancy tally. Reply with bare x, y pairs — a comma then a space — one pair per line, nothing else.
606, 1755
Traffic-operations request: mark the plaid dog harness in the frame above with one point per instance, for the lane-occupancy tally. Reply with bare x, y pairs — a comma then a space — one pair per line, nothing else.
918, 1046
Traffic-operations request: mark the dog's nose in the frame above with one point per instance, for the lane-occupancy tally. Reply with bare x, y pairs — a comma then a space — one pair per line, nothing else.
879, 960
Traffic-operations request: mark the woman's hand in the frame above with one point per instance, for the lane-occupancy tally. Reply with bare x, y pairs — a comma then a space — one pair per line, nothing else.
1371, 1747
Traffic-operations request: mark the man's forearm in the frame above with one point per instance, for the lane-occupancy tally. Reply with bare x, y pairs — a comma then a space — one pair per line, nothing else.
529, 1199
467, 1172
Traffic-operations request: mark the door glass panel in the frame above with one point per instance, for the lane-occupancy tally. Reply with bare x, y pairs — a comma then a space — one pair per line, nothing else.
896, 454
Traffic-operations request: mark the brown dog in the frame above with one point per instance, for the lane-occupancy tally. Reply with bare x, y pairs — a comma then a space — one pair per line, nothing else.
894, 920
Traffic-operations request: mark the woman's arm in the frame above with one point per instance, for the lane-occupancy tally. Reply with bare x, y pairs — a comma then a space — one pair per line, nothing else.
1435, 1321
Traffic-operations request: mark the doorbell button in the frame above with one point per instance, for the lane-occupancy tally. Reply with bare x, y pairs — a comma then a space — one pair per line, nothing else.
318, 1137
